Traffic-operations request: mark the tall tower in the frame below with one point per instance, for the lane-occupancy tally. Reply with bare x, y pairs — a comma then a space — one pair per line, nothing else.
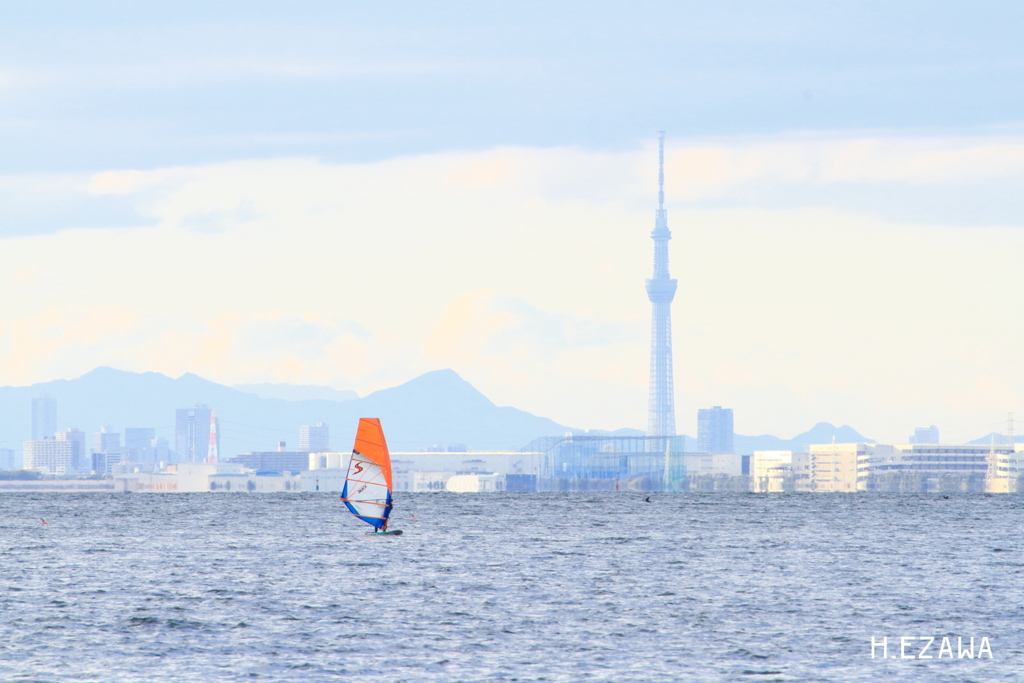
661, 289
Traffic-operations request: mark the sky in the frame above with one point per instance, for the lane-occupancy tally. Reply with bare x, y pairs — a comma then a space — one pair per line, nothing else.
351, 194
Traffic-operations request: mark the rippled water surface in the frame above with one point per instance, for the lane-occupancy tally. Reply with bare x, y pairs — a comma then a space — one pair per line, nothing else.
506, 587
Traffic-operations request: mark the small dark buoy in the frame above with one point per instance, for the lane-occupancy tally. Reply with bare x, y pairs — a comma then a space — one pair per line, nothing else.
945, 498
647, 499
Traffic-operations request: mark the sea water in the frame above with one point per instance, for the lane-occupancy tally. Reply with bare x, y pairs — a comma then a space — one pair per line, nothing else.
511, 587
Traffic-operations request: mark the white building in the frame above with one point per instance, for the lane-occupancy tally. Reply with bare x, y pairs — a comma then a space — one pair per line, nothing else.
915, 467
1005, 471
425, 482
839, 466
328, 460
48, 456
471, 462
778, 471
324, 479
770, 469
475, 483
712, 463
199, 477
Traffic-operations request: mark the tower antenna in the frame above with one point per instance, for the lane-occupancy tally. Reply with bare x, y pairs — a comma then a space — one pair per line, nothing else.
661, 170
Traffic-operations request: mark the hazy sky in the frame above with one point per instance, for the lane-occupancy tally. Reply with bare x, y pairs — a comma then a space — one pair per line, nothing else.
351, 194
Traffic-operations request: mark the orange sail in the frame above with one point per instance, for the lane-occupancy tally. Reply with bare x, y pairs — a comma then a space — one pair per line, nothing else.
367, 490
371, 444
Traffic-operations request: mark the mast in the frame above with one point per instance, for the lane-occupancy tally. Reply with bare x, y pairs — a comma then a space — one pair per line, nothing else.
661, 289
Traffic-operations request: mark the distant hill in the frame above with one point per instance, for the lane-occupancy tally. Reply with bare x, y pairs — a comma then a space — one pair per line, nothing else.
823, 432
296, 392
436, 408
996, 438
746, 445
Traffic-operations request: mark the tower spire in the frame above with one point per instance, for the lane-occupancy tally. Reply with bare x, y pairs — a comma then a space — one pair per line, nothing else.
661, 289
661, 170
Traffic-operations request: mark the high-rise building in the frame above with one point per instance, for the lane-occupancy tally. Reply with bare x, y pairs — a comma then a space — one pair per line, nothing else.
925, 435
44, 417
138, 437
103, 463
106, 440
79, 452
661, 289
159, 452
192, 433
48, 456
7, 459
714, 429
314, 438
138, 443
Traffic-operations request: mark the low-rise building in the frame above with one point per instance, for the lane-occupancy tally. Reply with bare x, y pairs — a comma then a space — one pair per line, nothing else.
1006, 471
324, 480
148, 482
425, 482
274, 461
328, 460
908, 468
729, 464
200, 477
836, 466
780, 471
475, 483
942, 467
470, 462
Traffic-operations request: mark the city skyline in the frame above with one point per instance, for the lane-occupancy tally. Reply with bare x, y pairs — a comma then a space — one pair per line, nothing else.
115, 400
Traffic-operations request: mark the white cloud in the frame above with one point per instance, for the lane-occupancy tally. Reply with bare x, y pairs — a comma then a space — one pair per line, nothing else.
720, 170
510, 347
59, 342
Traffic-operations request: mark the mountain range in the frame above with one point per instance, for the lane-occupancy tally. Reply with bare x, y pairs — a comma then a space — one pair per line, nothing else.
296, 392
823, 432
437, 409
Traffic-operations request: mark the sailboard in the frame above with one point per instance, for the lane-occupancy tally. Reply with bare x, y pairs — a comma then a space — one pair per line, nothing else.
367, 489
